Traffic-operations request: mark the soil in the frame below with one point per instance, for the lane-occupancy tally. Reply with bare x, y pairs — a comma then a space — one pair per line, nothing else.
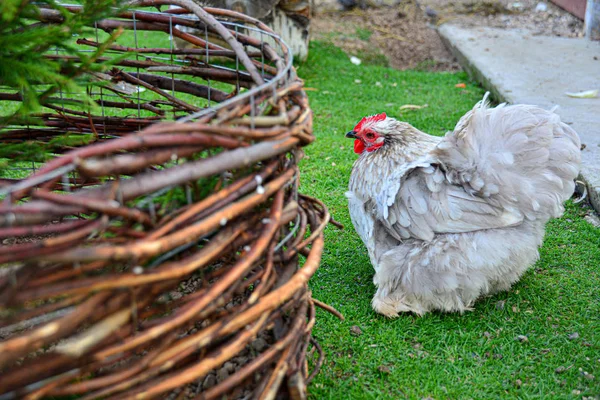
402, 34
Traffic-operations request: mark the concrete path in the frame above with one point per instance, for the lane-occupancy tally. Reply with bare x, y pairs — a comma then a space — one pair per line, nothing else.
520, 68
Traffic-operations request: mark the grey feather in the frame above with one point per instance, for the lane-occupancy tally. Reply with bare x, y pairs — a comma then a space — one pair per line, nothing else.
453, 218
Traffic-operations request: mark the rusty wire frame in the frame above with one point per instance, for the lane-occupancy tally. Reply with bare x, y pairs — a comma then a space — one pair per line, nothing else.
140, 263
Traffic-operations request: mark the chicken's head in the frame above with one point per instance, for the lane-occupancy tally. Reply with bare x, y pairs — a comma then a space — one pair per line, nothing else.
366, 135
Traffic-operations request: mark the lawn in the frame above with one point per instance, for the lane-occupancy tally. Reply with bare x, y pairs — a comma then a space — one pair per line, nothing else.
475, 355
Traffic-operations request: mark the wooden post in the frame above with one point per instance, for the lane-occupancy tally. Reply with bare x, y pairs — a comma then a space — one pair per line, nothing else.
575, 7
592, 20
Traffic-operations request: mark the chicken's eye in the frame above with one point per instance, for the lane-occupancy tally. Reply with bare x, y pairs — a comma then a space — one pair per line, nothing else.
370, 135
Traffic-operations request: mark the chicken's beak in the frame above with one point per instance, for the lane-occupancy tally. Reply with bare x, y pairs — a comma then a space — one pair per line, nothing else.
351, 135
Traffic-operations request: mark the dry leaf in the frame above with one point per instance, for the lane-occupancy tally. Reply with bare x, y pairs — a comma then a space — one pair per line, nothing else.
411, 107
586, 94
355, 330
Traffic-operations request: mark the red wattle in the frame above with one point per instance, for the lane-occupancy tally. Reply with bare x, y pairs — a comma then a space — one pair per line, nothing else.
374, 147
359, 146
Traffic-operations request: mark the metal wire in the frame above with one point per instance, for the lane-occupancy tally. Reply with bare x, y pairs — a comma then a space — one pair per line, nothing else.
281, 77
37, 180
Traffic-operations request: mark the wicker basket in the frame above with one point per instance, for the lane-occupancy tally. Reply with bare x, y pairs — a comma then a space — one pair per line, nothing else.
163, 258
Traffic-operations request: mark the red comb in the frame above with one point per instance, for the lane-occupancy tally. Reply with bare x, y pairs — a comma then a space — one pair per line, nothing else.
371, 118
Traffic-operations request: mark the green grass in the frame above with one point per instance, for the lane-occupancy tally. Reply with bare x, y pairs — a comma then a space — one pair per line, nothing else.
363, 34
443, 356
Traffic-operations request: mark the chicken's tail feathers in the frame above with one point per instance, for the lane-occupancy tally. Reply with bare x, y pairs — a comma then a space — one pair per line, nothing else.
521, 157
460, 130
484, 103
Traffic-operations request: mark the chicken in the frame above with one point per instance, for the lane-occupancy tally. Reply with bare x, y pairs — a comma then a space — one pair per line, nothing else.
447, 220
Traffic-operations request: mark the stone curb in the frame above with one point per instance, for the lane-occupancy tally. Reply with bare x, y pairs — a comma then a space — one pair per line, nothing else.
482, 73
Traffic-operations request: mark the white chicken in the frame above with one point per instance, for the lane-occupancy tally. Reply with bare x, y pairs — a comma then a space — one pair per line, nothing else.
447, 220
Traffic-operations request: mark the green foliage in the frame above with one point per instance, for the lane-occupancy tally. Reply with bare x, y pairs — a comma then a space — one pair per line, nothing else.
442, 356
33, 151
24, 151
25, 42
70, 140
